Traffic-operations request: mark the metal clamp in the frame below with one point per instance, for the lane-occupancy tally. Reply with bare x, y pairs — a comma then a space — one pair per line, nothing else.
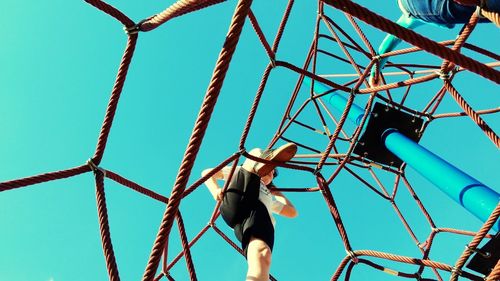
443, 76
241, 152
457, 271
273, 62
135, 28
94, 167
352, 255
486, 255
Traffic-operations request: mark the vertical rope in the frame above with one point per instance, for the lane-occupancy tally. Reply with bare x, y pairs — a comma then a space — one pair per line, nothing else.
115, 96
199, 129
262, 37
102, 212
185, 246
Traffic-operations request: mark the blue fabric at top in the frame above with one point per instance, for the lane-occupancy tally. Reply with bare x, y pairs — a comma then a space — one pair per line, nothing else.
444, 12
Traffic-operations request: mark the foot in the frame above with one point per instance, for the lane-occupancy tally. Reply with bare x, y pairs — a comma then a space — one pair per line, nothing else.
280, 154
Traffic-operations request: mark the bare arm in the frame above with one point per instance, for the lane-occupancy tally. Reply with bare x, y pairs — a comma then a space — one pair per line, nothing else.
212, 184
288, 210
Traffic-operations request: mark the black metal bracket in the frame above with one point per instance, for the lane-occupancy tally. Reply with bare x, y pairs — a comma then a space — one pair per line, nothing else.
485, 259
383, 117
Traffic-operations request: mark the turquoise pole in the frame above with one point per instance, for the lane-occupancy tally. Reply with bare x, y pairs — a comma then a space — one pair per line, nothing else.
338, 101
474, 196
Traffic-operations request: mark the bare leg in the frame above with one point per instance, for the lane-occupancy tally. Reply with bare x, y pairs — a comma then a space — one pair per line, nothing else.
259, 260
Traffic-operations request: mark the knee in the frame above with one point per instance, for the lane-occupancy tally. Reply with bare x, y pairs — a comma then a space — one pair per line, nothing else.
262, 253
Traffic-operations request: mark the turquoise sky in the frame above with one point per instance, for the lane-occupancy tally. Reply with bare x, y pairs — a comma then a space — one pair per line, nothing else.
58, 61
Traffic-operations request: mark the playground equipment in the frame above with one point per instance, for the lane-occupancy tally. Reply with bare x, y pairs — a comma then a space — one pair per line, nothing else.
342, 97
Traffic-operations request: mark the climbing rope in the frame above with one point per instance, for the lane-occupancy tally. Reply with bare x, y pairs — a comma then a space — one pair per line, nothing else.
343, 159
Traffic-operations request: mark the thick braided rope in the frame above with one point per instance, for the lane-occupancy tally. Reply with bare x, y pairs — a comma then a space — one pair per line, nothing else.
495, 273
325, 191
460, 114
262, 37
399, 84
378, 267
415, 39
115, 96
472, 114
460, 41
179, 8
476, 240
255, 105
186, 247
179, 256
112, 11
392, 257
102, 212
8, 185
265, 76
130, 184
211, 96
281, 28
203, 179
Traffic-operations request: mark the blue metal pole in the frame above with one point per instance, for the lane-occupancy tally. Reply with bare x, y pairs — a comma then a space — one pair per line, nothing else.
338, 101
477, 198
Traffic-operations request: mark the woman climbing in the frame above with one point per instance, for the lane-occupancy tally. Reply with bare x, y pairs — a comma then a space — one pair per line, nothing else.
248, 206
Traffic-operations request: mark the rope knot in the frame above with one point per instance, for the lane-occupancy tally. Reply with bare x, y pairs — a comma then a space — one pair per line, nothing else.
94, 167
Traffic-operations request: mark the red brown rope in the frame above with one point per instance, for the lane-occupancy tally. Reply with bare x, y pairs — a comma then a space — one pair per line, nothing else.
476, 240
179, 191
177, 9
112, 11
472, 114
102, 213
213, 91
415, 39
186, 247
115, 97
13, 184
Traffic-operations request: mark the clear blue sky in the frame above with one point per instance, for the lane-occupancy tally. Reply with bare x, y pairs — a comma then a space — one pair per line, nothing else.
58, 61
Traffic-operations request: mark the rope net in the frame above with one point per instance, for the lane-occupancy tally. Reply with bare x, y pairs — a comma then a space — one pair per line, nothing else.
353, 56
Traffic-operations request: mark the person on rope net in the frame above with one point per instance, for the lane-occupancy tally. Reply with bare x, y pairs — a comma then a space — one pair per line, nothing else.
248, 205
442, 13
